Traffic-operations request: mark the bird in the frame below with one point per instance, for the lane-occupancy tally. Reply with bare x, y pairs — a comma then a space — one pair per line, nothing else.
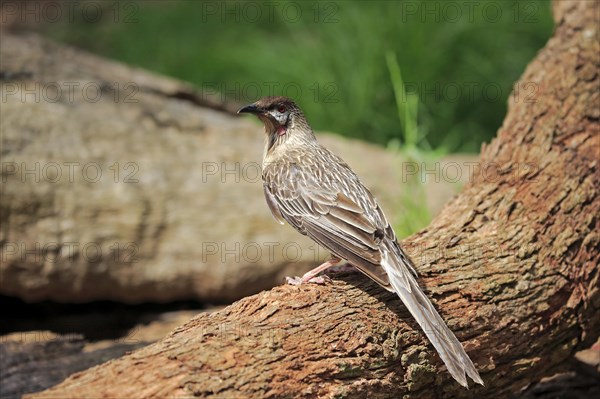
319, 195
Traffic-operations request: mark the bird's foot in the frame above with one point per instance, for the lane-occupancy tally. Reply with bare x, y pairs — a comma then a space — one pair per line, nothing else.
307, 279
311, 276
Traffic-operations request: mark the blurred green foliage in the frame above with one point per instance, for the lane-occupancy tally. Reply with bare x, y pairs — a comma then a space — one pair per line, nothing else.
459, 59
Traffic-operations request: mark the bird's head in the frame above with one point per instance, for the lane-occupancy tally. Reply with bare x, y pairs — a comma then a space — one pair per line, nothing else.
282, 118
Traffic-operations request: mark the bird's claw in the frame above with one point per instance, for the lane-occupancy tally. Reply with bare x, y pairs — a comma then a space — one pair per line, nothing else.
307, 279
293, 280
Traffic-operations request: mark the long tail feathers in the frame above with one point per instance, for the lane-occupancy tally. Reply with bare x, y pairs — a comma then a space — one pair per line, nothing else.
447, 345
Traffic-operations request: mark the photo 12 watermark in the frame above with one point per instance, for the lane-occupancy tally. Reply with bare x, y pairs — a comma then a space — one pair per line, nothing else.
69, 252
70, 11
424, 172
256, 252
469, 92
289, 12
70, 172
466, 171
69, 92
38, 336
241, 92
430, 254
469, 11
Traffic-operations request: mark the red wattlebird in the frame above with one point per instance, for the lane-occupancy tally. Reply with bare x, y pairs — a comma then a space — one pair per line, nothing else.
318, 194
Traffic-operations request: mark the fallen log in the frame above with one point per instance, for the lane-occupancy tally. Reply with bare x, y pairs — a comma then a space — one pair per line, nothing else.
511, 263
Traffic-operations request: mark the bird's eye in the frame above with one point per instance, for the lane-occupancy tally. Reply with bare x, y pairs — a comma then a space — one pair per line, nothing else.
281, 109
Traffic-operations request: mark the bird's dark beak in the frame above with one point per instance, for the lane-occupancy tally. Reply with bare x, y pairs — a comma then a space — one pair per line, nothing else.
250, 109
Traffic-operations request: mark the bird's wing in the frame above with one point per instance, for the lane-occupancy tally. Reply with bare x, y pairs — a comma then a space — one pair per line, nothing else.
273, 207
345, 218
334, 218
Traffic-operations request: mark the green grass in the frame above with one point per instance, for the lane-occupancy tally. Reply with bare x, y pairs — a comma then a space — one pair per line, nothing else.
407, 104
414, 214
335, 58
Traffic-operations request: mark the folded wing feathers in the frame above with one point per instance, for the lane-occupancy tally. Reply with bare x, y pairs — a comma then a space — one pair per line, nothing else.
362, 236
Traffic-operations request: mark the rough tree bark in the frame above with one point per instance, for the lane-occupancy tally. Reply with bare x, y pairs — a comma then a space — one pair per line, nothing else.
512, 264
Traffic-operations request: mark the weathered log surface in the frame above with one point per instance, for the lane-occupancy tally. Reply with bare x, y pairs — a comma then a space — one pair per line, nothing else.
512, 263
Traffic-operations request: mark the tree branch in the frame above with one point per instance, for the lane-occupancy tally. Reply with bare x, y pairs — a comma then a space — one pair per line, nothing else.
512, 264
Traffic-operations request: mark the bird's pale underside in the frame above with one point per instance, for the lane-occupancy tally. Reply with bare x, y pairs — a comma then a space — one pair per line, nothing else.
318, 194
